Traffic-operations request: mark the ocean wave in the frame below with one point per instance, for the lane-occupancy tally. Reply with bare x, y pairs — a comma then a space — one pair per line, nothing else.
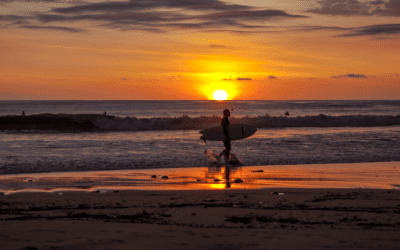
95, 122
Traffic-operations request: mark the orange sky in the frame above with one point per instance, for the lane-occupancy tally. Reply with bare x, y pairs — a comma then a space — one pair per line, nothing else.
170, 49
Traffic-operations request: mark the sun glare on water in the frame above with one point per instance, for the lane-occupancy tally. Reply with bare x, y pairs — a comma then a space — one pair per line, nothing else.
220, 95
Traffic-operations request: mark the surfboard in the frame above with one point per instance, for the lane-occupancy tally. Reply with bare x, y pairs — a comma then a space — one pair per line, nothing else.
235, 131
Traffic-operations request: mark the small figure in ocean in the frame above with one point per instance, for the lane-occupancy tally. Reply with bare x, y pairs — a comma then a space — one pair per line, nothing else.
227, 142
105, 113
23, 112
287, 113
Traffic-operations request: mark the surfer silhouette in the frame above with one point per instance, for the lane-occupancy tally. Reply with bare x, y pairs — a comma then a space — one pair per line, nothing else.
227, 142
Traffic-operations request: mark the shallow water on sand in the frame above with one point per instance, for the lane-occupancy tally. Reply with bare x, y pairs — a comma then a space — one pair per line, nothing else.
381, 175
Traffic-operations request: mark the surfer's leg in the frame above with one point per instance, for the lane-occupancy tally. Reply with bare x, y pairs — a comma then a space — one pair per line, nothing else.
227, 150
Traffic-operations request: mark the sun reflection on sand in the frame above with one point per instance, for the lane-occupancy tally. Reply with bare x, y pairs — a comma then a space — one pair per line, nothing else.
385, 175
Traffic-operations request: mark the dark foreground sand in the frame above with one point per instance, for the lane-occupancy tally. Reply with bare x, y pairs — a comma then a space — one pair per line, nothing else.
210, 219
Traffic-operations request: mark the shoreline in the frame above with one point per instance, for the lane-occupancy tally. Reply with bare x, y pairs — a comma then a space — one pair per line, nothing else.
371, 175
338, 206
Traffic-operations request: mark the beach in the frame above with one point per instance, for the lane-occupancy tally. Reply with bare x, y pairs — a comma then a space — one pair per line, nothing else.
139, 177
282, 215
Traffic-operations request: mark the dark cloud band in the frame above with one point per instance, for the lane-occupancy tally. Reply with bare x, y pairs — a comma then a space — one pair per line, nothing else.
350, 76
356, 7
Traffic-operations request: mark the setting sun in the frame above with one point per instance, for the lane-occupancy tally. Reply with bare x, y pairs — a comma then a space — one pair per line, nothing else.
220, 94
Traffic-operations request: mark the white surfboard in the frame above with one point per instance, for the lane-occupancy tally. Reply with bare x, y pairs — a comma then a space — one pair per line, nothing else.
235, 131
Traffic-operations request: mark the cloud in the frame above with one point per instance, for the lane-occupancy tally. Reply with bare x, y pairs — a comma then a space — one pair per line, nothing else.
216, 46
272, 77
380, 29
372, 30
243, 79
124, 79
140, 6
341, 8
165, 15
356, 7
350, 76
52, 28
226, 79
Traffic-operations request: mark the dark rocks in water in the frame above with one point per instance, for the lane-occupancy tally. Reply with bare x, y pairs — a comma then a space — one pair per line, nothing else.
238, 180
154, 176
165, 177
276, 193
216, 180
258, 171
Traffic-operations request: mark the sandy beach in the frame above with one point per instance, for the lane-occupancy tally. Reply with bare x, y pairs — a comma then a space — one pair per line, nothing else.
169, 216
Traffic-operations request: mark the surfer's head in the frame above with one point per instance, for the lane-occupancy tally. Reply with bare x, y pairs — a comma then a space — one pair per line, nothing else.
227, 113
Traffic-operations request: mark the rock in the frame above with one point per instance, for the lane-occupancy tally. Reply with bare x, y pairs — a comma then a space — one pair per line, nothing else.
258, 171
238, 180
165, 177
154, 176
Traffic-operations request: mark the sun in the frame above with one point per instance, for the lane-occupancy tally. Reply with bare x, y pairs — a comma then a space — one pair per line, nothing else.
220, 94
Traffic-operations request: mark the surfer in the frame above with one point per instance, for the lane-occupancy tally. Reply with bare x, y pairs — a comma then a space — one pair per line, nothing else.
227, 142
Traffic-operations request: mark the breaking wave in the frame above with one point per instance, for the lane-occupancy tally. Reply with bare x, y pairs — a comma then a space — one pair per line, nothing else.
94, 122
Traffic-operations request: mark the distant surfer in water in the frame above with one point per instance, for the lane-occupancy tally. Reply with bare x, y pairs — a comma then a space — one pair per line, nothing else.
227, 142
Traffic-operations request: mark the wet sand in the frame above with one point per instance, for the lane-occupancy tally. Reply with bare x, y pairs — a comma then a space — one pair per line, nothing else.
282, 213
376, 175
210, 219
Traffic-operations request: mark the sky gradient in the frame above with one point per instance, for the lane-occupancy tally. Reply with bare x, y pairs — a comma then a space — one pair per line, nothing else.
187, 49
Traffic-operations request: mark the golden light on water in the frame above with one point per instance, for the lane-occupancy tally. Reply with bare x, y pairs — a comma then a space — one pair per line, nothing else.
220, 94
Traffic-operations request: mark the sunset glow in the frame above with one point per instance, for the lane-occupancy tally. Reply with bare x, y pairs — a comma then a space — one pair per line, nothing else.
302, 49
220, 95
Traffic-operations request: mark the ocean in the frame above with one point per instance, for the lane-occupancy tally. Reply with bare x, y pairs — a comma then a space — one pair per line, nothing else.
65, 136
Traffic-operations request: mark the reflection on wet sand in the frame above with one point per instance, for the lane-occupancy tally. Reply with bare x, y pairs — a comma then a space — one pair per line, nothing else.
357, 175
223, 175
